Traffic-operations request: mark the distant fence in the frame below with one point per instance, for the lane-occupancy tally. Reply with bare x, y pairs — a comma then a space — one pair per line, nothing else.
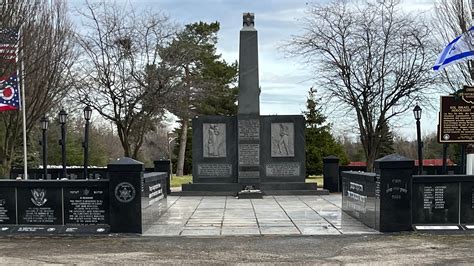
56, 173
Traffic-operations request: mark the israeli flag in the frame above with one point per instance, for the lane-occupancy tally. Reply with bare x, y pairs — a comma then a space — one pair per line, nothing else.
461, 48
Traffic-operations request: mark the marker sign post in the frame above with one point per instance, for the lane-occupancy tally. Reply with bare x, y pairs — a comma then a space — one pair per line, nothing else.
457, 117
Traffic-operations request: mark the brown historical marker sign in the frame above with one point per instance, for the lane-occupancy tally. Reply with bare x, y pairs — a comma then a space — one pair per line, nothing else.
457, 118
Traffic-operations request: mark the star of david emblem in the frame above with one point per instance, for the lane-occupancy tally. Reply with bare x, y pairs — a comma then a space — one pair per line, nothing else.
125, 192
249, 20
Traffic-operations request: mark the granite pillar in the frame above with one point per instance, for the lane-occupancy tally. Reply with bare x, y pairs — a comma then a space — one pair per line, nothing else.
393, 189
164, 166
125, 185
331, 174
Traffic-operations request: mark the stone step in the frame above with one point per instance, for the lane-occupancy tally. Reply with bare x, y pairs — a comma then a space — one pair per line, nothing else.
204, 193
296, 192
288, 186
212, 187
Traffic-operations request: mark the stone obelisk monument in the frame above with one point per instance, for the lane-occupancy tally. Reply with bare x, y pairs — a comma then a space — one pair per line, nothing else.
249, 91
249, 105
233, 154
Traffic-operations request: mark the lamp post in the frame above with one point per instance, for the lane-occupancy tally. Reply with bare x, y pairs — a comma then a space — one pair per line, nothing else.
171, 136
417, 114
62, 142
44, 143
85, 144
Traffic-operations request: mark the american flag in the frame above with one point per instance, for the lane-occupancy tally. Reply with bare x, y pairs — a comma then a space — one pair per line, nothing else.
8, 44
9, 93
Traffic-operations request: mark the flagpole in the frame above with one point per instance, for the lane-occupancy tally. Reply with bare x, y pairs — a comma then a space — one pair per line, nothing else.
23, 107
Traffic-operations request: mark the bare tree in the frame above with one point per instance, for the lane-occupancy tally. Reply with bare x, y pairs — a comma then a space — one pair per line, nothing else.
46, 51
371, 58
120, 73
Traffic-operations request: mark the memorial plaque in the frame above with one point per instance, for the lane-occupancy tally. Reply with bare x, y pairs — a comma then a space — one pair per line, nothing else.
397, 189
215, 170
283, 140
249, 129
86, 206
7, 206
456, 120
155, 193
354, 198
436, 203
467, 203
282, 169
38, 205
214, 140
249, 154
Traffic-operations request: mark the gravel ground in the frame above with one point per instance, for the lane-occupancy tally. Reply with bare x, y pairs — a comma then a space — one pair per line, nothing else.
405, 248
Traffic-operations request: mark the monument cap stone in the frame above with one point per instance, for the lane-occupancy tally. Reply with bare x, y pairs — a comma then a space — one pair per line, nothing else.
330, 159
394, 161
125, 164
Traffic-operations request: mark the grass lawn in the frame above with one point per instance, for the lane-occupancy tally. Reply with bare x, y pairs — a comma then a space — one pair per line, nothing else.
315, 179
177, 181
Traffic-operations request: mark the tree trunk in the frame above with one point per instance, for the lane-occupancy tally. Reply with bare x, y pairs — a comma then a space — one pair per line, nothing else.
182, 148
5, 168
370, 162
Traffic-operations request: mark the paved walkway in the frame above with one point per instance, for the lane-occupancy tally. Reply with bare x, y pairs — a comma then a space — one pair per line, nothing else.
272, 215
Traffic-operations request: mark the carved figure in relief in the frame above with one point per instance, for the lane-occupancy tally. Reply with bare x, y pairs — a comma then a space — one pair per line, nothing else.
283, 141
213, 145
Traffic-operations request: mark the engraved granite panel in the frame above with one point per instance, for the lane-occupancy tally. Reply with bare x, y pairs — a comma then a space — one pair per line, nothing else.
282, 149
249, 154
214, 149
283, 169
249, 129
215, 170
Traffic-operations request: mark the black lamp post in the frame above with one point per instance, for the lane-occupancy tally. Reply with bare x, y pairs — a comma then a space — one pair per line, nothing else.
44, 126
62, 142
417, 114
85, 144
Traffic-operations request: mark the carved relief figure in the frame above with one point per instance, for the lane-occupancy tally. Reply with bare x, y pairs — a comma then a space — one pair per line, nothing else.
282, 140
214, 140
213, 145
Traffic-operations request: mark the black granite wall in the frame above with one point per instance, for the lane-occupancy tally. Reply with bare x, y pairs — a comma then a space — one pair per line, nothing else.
214, 149
282, 149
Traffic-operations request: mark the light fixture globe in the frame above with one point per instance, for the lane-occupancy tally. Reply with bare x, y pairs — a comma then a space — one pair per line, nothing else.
87, 113
417, 112
44, 123
62, 116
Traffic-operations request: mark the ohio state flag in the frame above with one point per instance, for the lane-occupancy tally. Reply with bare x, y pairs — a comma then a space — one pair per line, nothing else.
9, 93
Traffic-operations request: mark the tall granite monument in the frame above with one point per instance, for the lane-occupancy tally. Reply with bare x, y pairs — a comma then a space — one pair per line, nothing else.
265, 152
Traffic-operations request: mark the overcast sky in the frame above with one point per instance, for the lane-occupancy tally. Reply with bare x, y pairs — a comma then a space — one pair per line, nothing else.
284, 81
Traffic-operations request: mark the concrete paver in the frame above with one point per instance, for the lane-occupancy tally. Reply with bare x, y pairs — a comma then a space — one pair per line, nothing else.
272, 215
